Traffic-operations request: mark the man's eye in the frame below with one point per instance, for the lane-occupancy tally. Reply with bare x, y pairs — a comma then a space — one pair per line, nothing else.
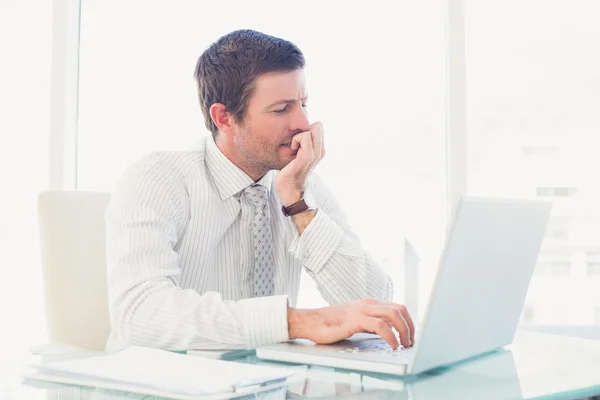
281, 111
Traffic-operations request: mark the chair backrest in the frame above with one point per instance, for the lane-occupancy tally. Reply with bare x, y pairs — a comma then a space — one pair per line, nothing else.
73, 249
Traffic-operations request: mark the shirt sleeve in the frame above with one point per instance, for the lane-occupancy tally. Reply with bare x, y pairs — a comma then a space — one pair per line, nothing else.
145, 220
333, 256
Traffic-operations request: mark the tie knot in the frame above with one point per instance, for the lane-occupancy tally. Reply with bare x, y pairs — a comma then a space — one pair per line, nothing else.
256, 195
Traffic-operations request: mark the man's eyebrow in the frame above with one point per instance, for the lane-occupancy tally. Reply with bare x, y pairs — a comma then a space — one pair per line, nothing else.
282, 101
287, 101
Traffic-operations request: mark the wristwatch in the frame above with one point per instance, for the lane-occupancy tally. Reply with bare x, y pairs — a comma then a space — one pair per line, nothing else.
307, 202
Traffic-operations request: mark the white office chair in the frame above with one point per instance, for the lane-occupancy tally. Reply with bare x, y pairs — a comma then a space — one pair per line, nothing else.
73, 248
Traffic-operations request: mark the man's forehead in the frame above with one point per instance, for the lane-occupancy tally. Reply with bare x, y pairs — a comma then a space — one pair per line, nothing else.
276, 85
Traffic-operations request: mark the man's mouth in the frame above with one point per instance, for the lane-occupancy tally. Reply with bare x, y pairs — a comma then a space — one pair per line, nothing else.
289, 146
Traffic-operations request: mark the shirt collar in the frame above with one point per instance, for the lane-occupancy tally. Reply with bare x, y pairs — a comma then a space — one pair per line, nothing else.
229, 179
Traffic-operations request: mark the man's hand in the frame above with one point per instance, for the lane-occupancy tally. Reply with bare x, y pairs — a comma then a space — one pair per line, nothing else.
291, 180
331, 324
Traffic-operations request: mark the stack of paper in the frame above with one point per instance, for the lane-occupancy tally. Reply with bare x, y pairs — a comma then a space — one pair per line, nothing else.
162, 373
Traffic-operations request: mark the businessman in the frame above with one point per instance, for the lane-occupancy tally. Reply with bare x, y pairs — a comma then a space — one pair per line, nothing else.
205, 248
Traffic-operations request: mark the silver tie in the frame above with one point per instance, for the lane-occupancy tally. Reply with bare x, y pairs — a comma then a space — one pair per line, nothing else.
264, 268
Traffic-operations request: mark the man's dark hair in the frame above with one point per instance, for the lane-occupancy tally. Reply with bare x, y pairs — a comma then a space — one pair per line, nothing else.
226, 71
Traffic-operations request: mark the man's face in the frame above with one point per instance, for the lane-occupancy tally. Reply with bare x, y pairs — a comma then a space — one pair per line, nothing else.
276, 112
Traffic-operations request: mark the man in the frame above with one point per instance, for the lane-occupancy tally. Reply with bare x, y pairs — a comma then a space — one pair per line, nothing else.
205, 248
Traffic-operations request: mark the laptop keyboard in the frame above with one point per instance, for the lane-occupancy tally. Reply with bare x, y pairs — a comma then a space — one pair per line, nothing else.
381, 347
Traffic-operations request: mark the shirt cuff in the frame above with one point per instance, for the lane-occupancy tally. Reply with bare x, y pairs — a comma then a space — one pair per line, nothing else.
265, 320
318, 242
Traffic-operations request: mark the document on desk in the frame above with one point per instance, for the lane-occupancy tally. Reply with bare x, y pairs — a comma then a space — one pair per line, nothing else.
163, 373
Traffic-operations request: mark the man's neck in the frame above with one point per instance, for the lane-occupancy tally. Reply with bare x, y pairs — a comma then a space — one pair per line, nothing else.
228, 149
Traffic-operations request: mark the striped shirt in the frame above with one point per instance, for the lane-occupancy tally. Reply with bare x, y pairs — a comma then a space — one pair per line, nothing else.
180, 256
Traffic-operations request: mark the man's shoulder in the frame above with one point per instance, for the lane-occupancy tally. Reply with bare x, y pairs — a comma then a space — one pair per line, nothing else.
178, 162
161, 169
169, 163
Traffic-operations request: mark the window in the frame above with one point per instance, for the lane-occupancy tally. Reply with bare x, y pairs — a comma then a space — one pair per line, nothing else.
596, 315
593, 264
533, 94
558, 228
24, 157
548, 151
593, 268
556, 191
376, 79
528, 315
558, 267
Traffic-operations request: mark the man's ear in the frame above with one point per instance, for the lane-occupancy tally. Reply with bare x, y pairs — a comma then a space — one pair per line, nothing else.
222, 118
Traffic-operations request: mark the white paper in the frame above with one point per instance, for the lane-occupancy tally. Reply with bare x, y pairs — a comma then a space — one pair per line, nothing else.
165, 371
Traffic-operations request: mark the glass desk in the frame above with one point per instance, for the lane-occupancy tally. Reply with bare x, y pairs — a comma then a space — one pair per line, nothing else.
535, 366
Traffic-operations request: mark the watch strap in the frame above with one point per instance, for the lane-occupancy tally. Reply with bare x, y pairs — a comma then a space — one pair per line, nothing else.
295, 208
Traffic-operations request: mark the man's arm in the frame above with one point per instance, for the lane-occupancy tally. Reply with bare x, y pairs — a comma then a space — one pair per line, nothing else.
326, 246
145, 219
333, 255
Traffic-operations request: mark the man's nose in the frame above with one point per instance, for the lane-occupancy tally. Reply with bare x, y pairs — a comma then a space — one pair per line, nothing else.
299, 120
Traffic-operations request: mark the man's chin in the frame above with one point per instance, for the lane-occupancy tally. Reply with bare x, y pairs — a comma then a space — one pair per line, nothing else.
282, 161
286, 156
281, 164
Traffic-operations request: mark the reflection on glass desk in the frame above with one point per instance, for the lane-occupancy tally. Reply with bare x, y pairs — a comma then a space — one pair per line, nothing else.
535, 366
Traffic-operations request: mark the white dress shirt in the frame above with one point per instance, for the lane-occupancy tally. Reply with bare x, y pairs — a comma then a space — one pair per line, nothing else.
180, 256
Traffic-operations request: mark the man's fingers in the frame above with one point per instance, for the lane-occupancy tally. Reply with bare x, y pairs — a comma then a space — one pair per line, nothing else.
409, 321
317, 138
302, 142
295, 145
379, 327
404, 311
392, 315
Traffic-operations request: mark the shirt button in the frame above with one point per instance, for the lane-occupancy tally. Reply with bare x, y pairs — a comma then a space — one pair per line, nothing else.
306, 254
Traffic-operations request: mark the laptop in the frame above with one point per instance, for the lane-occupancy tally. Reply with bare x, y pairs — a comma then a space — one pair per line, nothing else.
476, 298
